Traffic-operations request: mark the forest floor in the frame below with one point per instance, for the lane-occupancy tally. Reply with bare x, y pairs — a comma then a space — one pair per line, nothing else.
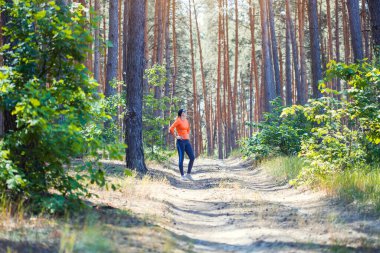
230, 206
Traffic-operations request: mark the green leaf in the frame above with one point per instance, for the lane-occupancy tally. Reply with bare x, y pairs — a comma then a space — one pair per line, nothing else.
40, 15
128, 172
18, 109
35, 102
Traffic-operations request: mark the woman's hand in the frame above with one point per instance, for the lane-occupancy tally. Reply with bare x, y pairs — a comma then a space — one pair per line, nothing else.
179, 137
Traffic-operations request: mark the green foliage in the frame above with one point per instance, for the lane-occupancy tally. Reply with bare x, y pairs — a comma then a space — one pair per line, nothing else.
58, 113
153, 134
346, 131
113, 132
277, 135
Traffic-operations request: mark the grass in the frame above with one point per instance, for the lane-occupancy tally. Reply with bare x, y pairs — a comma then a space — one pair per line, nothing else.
360, 187
283, 168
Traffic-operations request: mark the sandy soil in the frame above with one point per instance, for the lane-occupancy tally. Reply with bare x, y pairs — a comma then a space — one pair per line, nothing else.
232, 207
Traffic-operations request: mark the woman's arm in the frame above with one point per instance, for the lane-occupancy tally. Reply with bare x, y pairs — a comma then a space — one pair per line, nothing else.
171, 130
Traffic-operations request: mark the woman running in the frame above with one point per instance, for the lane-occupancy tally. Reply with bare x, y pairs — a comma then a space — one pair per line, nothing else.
183, 144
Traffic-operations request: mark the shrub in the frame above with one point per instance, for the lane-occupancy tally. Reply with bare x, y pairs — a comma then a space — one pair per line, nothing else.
346, 132
277, 135
57, 111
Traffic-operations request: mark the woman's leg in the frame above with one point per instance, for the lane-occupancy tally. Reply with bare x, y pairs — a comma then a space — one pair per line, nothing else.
181, 155
190, 153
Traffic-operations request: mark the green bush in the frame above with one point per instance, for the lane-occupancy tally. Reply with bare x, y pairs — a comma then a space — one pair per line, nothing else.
346, 132
277, 135
55, 104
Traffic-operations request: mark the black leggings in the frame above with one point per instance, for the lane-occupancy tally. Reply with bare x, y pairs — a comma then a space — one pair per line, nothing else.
182, 147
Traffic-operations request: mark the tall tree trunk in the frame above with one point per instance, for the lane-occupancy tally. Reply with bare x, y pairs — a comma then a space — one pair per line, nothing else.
364, 17
254, 65
205, 92
270, 88
112, 57
195, 100
125, 40
288, 67
252, 70
300, 96
158, 58
97, 45
301, 21
120, 45
218, 115
229, 133
337, 40
281, 74
9, 120
329, 29
274, 49
374, 10
234, 134
146, 50
316, 69
168, 70
174, 31
330, 48
135, 74
104, 67
355, 27
346, 32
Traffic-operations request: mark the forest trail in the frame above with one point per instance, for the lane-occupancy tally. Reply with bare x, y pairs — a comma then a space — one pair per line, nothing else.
232, 207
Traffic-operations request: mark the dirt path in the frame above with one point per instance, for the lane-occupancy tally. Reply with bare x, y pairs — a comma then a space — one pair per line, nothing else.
233, 207
230, 207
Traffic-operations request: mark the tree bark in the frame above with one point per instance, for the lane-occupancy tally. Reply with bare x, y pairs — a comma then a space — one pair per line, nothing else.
158, 58
253, 73
270, 88
135, 73
355, 27
346, 32
120, 45
97, 45
364, 18
274, 49
228, 98
288, 67
300, 96
125, 41
218, 115
168, 70
112, 56
374, 10
195, 99
234, 134
174, 31
204, 87
304, 81
337, 41
316, 69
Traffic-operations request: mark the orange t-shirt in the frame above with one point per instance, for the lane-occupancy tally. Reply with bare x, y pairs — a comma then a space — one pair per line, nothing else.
182, 126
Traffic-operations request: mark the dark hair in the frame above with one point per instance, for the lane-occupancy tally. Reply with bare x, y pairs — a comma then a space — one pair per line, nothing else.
180, 112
